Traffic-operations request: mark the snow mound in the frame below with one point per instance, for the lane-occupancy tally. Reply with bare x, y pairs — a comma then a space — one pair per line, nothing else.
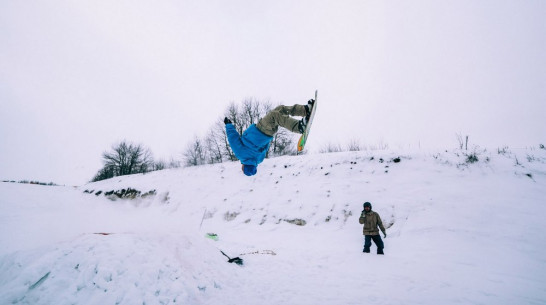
112, 269
463, 228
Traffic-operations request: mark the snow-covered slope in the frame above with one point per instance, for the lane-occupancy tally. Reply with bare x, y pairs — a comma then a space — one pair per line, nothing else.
458, 233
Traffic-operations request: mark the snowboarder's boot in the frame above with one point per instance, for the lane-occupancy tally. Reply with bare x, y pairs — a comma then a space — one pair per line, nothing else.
302, 124
380, 252
309, 108
366, 250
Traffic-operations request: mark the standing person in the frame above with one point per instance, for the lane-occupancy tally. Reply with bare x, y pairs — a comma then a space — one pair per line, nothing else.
251, 147
372, 222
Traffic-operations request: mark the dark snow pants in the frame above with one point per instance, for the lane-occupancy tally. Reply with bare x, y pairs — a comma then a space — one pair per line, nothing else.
377, 241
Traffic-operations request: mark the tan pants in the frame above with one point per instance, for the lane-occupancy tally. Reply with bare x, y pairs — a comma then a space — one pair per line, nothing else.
280, 116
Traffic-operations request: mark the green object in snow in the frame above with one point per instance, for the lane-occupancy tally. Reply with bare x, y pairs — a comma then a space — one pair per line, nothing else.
212, 236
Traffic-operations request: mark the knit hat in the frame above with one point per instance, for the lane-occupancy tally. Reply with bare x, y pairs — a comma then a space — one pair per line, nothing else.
249, 170
367, 204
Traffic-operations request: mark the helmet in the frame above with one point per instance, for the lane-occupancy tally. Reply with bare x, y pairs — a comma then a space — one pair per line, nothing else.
367, 204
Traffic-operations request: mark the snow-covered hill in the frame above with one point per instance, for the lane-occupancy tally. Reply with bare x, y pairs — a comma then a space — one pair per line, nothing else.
459, 232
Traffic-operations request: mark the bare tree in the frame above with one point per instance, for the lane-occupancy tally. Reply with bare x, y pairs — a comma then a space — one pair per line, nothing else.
217, 144
234, 115
249, 111
128, 158
195, 153
160, 165
214, 143
265, 107
253, 110
125, 159
283, 143
173, 163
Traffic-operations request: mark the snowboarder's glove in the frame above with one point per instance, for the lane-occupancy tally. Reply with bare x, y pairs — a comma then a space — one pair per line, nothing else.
384, 235
311, 101
227, 121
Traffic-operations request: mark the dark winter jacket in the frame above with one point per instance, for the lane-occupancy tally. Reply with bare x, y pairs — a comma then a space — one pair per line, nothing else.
251, 147
371, 222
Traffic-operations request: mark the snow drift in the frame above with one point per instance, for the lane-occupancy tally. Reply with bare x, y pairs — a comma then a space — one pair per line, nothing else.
460, 230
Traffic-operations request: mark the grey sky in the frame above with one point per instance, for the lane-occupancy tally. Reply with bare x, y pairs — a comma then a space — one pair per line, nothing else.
77, 77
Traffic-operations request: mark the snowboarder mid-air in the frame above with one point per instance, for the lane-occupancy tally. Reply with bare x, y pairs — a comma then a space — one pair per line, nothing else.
371, 222
250, 147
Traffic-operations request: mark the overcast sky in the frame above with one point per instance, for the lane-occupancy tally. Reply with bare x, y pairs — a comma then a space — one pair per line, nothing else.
78, 76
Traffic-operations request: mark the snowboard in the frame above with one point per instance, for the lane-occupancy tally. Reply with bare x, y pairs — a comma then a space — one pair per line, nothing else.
305, 135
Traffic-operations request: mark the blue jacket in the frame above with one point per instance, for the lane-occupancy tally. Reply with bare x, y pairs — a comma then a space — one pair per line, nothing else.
250, 148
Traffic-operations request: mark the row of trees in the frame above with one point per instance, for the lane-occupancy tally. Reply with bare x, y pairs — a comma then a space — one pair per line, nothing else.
127, 158
214, 146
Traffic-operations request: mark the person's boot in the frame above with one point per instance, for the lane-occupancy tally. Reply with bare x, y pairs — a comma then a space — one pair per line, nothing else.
309, 108
302, 125
380, 252
366, 250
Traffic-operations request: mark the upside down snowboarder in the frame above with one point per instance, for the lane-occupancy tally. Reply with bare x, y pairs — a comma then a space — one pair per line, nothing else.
251, 147
371, 222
